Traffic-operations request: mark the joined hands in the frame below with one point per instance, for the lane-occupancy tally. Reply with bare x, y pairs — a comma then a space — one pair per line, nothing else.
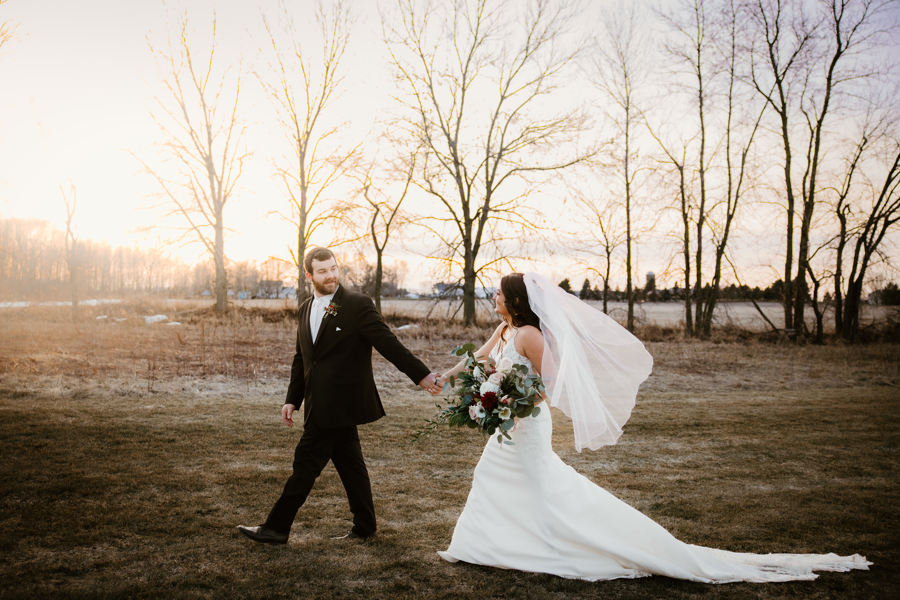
432, 384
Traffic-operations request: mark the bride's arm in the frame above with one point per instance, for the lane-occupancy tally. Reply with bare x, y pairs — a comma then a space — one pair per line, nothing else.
480, 354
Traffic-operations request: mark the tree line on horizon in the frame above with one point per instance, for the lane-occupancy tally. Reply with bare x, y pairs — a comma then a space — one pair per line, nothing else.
34, 267
889, 295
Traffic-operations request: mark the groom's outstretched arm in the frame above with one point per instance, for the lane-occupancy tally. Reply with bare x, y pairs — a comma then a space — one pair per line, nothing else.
379, 335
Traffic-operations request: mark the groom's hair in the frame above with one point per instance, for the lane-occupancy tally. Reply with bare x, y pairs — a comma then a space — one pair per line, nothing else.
318, 254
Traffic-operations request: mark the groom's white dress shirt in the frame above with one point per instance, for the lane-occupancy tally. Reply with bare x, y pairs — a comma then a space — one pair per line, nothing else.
317, 314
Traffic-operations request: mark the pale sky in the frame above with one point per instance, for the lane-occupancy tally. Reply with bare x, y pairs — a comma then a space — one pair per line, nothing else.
75, 86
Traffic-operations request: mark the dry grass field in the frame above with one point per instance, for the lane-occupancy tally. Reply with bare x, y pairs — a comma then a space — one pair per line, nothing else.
131, 451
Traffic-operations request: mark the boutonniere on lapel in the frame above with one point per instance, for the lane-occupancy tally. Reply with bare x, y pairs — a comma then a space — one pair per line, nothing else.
332, 308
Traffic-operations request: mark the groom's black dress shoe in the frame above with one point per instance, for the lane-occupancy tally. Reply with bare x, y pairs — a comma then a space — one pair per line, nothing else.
263, 536
354, 535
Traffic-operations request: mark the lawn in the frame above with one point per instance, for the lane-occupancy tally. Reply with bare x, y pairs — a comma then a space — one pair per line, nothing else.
131, 452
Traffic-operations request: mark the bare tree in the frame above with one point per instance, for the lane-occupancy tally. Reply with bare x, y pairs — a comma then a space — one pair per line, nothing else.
619, 69
853, 29
601, 235
71, 246
843, 212
736, 167
687, 211
384, 217
692, 48
874, 218
204, 142
303, 84
479, 89
777, 63
811, 58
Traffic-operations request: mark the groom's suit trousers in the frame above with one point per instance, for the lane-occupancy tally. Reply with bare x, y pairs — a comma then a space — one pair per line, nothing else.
317, 446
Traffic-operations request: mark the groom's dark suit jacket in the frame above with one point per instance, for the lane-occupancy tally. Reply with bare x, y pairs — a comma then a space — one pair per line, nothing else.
333, 378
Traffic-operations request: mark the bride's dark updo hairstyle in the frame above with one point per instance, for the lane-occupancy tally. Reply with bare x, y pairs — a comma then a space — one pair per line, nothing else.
515, 295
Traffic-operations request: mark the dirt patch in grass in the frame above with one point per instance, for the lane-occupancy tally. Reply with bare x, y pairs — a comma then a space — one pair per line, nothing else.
131, 452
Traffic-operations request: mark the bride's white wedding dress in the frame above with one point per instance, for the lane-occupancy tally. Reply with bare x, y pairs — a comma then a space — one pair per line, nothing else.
530, 511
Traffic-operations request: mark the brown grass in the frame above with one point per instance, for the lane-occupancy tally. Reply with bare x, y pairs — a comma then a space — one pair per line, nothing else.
130, 452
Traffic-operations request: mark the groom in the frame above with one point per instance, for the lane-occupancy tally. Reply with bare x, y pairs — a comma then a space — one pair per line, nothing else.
332, 377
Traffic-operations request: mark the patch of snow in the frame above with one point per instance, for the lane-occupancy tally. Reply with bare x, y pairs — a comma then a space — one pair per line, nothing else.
25, 304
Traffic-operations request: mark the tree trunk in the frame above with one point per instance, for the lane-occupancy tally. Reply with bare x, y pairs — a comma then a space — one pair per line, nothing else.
606, 285
304, 290
817, 310
839, 276
688, 322
789, 250
303, 287
379, 274
851, 312
629, 291
469, 279
701, 212
221, 281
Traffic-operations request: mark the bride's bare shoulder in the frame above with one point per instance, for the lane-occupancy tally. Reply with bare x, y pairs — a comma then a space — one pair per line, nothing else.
529, 341
530, 332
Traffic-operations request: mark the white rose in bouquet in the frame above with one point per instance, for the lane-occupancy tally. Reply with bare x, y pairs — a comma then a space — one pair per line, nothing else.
487, 386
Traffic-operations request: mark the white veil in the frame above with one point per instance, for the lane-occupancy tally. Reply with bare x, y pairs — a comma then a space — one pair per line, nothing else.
592, 366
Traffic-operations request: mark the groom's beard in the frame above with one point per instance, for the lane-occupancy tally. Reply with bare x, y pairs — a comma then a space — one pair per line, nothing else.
329, 286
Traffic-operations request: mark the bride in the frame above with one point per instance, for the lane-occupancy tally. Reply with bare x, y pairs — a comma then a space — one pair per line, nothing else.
529, 511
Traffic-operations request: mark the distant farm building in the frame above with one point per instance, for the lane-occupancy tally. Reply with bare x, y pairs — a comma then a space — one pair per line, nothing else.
269, 288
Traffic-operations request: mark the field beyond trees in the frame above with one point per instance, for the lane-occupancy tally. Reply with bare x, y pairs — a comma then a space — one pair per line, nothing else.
132, 450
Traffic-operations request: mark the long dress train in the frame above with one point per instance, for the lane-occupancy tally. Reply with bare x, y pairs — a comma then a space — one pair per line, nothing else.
529, 511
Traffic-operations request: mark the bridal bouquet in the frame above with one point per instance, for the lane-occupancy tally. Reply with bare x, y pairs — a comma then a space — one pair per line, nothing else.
489, 397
